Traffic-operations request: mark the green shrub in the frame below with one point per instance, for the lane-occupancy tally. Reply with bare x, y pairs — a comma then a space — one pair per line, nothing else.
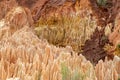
68, 74
77, 75
102, 2
65, 72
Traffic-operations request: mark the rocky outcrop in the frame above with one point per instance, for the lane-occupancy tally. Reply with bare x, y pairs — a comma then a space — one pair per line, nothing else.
93, 49
46, 8
19, 17
22, 53
104, 13
38, 8
108, 70
114, 37
16, 19
56, 9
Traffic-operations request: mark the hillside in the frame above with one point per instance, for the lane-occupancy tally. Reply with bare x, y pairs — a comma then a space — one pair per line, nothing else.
59, 40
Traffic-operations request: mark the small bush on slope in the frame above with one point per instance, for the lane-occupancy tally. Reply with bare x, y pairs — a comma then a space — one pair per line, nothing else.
102, 2
71, 30
65, 72
68, 75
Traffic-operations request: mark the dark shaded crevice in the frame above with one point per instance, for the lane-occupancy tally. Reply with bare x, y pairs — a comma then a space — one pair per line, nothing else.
93, 48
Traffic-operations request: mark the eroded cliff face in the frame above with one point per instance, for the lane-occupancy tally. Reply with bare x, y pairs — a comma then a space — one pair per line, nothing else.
45, 8
38, 8
54, 10
6, 6
22, 53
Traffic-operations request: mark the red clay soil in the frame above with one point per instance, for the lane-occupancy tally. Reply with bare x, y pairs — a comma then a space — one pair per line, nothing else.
34, 5
44, 8
51, 7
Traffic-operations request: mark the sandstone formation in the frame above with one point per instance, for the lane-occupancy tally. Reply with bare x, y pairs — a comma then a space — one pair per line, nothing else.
114, 37
6, 6
22, 53
56, 10
108, 69
47, 8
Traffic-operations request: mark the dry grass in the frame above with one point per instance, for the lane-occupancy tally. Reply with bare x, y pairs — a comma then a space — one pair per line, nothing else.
72, 30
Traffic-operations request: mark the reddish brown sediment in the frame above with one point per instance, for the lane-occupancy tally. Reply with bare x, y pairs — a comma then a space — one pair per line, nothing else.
46, 8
